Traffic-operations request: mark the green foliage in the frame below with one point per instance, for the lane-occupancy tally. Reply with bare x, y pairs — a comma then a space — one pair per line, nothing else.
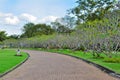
28, 30
13, 36
31, 30
64, 25
112, 60
3, 35
89, 10
118, 4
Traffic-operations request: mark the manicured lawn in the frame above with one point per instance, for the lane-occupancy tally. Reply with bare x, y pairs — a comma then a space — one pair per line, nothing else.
8, 60
101, 61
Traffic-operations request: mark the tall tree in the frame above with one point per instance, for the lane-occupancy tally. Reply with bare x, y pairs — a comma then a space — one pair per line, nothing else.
118, 4
68, 21
91, 9
3, 35
42, 29
14, 36
30, 30
64, 25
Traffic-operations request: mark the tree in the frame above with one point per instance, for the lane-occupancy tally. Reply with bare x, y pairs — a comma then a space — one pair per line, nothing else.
68, 21
118, 4
14, 36
30, 30
59, 28
64, 25
3, 35
42, 29
91, 9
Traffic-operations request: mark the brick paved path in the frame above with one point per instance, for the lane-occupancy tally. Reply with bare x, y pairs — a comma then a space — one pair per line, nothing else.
51, 66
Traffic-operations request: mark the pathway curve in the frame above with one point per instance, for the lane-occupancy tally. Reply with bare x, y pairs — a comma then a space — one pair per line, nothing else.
52, 66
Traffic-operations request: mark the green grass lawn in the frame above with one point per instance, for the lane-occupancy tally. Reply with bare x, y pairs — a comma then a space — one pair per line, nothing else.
8, 60
101, 61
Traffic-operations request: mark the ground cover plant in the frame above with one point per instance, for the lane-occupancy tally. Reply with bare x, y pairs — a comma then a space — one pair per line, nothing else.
8, 60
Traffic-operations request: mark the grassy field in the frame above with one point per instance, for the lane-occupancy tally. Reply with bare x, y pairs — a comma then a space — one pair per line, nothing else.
101, 61
8, 60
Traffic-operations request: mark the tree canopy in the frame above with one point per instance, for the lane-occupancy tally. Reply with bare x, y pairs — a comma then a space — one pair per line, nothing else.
3, 35
64, 25
30, 30
92, 9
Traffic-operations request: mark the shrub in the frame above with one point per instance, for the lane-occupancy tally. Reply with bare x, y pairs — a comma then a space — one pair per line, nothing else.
112, 60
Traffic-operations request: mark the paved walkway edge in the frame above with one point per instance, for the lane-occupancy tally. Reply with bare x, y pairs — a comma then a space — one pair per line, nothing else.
106, 70
1, 75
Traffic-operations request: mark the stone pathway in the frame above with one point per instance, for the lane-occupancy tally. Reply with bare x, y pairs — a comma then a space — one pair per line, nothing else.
52, 66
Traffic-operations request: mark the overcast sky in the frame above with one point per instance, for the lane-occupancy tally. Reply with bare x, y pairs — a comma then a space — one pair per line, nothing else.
15, 13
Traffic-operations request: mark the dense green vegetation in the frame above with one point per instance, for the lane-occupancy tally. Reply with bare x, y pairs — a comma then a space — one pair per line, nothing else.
2, 35
90, 10
9, 61
31, 30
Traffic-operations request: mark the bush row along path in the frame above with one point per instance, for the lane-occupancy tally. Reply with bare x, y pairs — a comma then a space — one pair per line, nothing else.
52, 66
